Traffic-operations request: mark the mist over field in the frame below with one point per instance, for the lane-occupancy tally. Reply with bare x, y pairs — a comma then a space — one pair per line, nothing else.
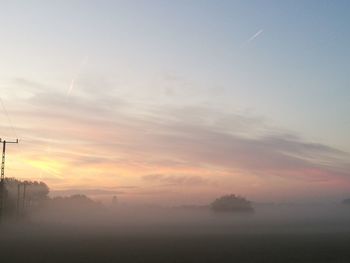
283, 218
126, 233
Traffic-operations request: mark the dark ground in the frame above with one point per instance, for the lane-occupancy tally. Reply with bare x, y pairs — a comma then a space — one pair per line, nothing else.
175, 246
269, 235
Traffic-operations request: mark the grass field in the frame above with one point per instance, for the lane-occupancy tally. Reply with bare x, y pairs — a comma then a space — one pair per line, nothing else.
174, 247
184, 239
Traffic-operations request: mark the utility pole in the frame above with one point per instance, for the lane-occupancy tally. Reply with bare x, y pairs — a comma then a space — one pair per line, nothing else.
21, 201
18, 200
2, 179
24, 197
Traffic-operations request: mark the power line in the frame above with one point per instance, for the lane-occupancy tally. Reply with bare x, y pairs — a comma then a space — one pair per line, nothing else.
13, 127
8, 118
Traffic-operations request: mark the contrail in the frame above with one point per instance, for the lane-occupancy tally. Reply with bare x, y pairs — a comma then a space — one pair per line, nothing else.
255, 35
80, 68
71, 86
252, 37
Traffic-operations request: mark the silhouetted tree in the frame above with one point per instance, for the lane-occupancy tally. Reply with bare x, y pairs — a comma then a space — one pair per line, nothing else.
35, 193
231, 203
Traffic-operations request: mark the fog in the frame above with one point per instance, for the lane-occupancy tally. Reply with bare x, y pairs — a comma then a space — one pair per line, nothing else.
91, 232
283, 218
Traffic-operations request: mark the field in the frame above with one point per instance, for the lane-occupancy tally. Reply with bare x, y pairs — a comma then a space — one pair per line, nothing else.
224, 240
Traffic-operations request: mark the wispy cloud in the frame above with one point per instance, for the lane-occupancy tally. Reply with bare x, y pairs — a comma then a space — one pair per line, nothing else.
97, 138
85, 192
170, 179
191, 140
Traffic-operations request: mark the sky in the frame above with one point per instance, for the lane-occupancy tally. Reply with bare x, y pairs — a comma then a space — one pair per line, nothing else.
178, 102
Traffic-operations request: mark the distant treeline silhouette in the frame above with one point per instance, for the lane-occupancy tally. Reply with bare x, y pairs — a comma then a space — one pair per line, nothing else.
232, 203
22, 195
25, 197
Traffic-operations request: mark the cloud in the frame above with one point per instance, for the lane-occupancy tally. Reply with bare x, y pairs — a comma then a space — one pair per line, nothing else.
28, 84
84, 192
175, 145
189, 180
